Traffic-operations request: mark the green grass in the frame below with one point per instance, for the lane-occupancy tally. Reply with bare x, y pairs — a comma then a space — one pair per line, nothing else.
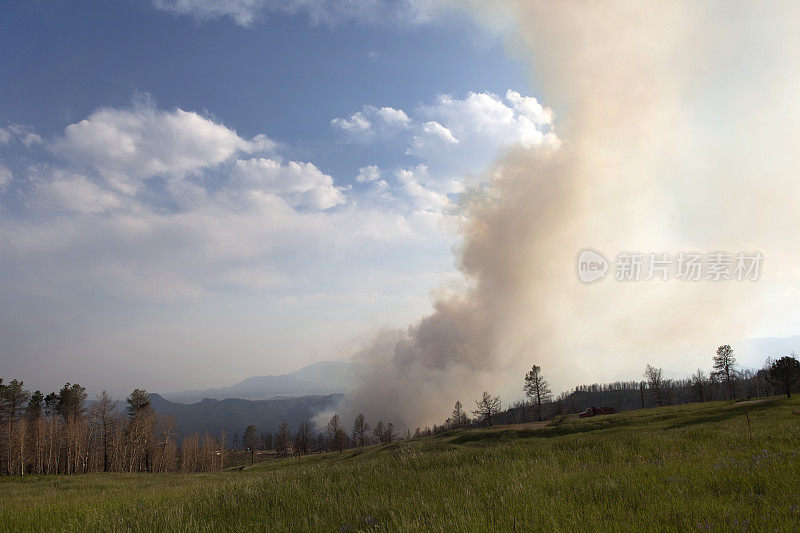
691, 467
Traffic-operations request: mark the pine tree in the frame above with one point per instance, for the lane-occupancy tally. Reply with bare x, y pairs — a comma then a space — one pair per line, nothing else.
724, 366
137, 401
13, 399
459, 418
378, 431
537, 389
785, 374
389, 435
69, 402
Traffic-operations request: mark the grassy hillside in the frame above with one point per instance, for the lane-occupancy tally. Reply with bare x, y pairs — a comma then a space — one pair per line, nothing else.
694, 467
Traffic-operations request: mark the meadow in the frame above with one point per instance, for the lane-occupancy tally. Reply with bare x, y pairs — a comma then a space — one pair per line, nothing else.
710, 466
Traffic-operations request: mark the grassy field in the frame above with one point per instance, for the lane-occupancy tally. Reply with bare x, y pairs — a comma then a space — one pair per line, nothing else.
695, 467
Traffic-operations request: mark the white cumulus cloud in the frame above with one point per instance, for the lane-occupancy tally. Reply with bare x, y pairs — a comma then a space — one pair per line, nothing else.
485, 118
392, 117
72, 192
436, 132
19, 132
300, 184
368, 173
226, 215
373, 122
455, 139
425, 199
127, 146
356, 123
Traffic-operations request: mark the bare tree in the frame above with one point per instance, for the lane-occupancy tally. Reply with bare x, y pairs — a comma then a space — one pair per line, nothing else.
724, 366
336, 434
102, 411
360, 428
266, 440
166, 460
699, 384
190, 451
487, 407
283, 440
249, 438
655, 382
302, 439
537, 389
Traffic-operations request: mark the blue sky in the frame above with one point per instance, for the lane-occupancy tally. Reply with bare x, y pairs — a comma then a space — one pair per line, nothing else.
282, 74
196, 191
240, 193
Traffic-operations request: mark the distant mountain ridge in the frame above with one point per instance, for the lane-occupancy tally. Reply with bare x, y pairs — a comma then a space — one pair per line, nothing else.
322, 378
233, 415
753, 352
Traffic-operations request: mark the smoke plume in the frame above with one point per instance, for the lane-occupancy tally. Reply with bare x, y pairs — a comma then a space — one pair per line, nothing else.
679, 129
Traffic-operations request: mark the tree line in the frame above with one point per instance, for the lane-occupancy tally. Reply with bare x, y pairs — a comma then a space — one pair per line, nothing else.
58, 434
725, 381
334, 437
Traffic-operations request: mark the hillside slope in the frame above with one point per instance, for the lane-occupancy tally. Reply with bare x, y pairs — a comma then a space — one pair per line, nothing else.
693, 467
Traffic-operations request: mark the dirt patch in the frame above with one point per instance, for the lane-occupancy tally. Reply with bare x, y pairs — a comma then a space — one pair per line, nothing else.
751, 402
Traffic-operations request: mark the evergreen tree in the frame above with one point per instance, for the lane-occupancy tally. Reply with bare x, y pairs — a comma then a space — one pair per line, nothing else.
537, 389
724, 367
459, 418
137, 401
378, 431
785, 374
70, 400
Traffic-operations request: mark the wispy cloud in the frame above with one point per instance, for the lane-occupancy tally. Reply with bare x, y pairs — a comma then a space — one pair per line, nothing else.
328, 12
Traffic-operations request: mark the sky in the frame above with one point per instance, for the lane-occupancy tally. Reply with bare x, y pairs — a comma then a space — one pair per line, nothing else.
190, 197
193, 192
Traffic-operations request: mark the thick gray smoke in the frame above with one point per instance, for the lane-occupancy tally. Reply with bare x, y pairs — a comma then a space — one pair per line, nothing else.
679, 124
